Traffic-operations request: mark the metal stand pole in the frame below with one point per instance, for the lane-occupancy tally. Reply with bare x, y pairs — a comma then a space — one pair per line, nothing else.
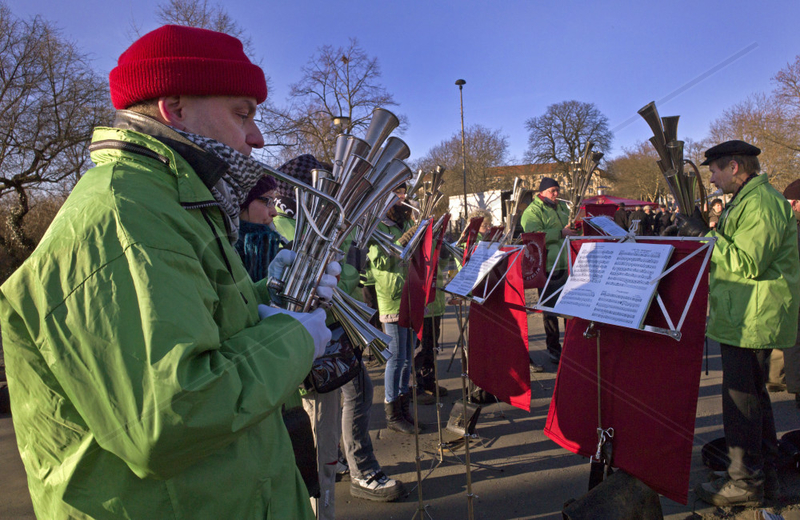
422, 509
470, 496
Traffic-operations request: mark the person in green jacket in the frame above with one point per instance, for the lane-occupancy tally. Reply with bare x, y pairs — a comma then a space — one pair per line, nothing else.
753, 307
143, 381
549, 215
390, 276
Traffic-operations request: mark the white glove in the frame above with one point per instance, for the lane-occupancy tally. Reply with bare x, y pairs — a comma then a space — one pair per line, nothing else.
282, 260
328, 282
314, 322
286, 257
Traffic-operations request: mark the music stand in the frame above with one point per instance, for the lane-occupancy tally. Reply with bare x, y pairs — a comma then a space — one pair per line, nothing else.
633, 363
463, 292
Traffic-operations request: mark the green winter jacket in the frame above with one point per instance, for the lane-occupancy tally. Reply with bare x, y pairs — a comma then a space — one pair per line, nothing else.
143, 384
755, 271
542, 218
284, 225
389, 274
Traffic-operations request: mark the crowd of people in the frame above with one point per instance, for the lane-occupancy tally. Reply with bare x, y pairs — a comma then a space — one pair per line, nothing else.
644, 220
143, 362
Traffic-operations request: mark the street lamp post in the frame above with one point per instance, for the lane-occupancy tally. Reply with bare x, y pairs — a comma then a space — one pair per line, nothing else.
461, 83
342, 123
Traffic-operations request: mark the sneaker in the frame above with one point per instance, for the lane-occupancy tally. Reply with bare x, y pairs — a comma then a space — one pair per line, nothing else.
772, 484
555, 357
377, 486
342, 469
535, 367
723, 492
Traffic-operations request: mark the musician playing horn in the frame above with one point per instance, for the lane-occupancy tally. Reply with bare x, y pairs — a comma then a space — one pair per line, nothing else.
143, 383
753, 308
549, 215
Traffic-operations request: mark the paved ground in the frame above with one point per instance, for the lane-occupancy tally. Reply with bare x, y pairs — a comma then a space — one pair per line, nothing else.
517, 472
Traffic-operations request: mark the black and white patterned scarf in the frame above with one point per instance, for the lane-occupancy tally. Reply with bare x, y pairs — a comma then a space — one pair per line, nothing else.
232, 189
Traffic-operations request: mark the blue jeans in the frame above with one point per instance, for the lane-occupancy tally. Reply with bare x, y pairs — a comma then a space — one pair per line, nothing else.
398, 368
356, 442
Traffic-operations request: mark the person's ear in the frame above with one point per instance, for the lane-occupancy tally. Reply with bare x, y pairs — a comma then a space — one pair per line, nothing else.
172, 111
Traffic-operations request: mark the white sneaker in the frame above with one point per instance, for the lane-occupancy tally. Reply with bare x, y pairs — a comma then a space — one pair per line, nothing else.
376, 486
342, 469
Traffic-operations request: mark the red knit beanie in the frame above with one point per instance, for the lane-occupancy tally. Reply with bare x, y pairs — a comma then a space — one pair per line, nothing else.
176, 60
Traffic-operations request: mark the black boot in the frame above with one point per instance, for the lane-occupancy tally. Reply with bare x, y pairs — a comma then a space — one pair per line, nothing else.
394, 418
405, 407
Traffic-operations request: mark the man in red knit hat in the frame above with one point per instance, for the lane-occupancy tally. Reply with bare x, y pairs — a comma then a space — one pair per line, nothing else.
143, 382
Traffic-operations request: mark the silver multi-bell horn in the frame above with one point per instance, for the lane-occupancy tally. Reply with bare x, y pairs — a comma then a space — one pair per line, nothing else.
671, 161
364, 174
581, 178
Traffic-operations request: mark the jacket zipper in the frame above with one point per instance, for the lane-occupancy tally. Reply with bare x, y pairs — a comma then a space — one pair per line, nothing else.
125, 146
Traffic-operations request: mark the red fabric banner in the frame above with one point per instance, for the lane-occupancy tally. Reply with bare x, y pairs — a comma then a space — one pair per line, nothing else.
534, 261
649, 384
498, 337
432, 268
469, 237
416, 288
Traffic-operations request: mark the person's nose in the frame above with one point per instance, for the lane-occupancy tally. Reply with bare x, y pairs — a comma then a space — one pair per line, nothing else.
254, 137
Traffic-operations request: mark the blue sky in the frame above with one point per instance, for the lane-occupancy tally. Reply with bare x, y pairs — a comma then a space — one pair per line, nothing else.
516, 56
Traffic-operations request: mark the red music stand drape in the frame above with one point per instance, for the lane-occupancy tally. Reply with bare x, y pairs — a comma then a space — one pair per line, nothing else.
650, 384
415, 291
498, 337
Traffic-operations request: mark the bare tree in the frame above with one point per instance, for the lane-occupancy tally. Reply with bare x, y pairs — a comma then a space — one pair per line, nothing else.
766, 122
561, 133
342, 81
50, 100
636, 174
205, 15
485, 148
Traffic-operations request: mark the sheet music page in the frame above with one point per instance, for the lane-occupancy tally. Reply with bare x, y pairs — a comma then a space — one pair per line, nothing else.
486, 256
423, 225
610, 282
606, 225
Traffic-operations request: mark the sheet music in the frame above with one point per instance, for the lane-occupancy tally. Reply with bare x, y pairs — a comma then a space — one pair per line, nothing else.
611, 282
606, 226
483, 259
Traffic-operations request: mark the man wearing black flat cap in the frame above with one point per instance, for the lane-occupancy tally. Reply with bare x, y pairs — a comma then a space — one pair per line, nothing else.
549, 215
753, 308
